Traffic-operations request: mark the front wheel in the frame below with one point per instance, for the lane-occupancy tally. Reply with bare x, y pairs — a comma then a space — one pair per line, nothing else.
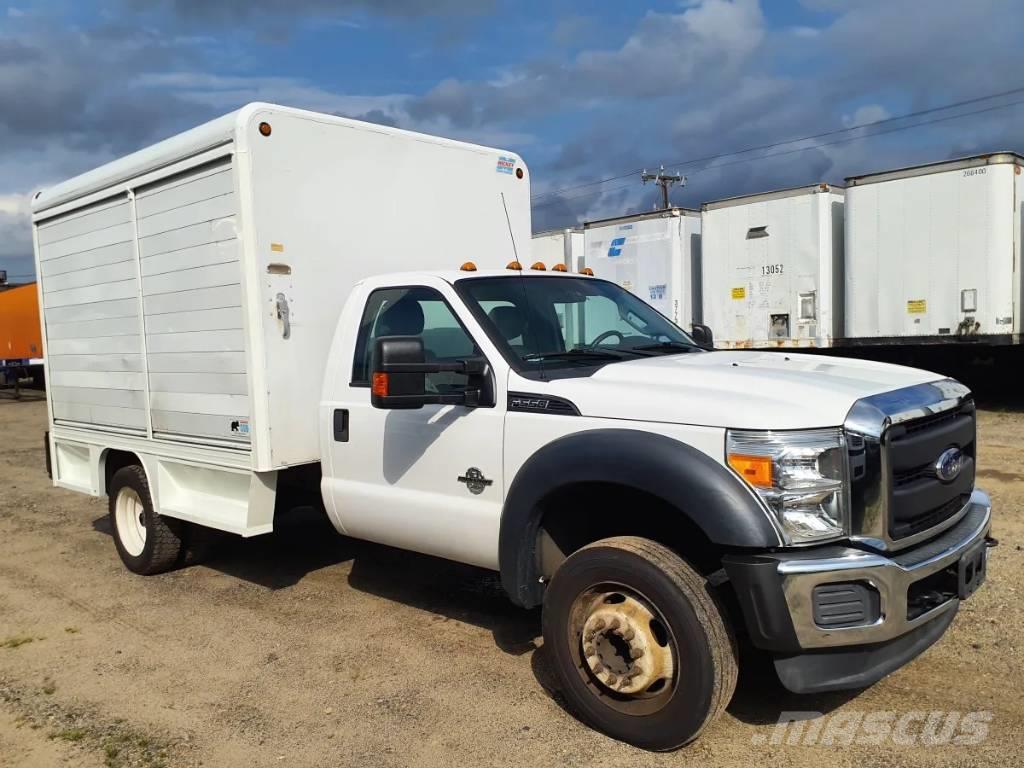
147, 541
640, 645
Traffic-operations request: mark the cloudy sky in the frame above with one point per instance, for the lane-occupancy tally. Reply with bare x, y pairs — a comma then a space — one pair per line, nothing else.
583, 90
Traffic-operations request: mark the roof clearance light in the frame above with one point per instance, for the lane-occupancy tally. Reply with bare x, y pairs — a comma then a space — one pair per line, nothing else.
265, 129
514, 265
587, 271
558, 268
469, 266
539, 266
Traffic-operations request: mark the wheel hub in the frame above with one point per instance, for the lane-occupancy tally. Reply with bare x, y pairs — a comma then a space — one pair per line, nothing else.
622, 648
131, 521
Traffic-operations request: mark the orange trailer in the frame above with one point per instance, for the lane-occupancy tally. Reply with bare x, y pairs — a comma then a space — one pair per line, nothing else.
20, 336
21, 344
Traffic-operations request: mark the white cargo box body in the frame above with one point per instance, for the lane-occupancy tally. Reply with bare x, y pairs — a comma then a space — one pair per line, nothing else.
562, 246
933, 253
772, 268
654, 255
190, 291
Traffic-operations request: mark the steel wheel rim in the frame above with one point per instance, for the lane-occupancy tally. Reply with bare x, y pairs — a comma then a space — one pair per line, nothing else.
632, 666
130, 519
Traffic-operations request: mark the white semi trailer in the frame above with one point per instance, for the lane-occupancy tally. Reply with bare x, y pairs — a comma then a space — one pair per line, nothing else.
933, 253
560, 246
655, 255
773, 268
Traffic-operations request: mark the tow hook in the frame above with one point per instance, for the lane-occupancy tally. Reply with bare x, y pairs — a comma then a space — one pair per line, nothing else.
991, 542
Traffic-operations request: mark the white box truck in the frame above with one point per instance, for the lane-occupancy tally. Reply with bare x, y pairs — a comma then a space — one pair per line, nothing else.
245, 315
933, 253
559, 246
655, 255
773, 266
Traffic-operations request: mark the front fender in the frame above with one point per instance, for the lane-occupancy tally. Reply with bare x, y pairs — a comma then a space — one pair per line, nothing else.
703, 490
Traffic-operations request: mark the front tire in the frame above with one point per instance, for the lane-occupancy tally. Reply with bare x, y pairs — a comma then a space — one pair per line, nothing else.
147, 542
640, 645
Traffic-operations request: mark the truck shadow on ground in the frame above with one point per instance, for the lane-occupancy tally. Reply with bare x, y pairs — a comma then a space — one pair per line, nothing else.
305, 542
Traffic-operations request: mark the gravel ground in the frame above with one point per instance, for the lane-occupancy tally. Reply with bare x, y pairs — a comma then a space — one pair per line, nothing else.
302, 648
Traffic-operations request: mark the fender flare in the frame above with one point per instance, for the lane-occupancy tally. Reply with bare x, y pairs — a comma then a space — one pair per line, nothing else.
703, 490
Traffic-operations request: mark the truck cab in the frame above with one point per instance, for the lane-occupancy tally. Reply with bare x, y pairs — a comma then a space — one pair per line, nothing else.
656, 498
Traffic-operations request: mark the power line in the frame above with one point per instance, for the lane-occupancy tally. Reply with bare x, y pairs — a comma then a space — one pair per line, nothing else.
825, 134
816, 146
856, 138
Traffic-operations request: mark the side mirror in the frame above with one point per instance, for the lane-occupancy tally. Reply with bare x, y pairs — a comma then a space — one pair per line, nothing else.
703, 336
398, 378
399, 375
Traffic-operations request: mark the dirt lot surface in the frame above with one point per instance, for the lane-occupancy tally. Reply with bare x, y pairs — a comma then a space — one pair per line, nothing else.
306, 649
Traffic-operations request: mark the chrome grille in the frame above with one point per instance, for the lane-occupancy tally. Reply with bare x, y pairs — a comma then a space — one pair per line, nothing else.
918, 499
893, 442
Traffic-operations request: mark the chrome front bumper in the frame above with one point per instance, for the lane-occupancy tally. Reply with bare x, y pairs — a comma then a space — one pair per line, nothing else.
891, 575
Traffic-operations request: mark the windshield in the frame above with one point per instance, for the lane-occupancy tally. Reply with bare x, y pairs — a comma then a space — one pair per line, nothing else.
550, 323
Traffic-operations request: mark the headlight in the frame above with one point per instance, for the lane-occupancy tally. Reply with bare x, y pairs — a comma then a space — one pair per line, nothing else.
800, 475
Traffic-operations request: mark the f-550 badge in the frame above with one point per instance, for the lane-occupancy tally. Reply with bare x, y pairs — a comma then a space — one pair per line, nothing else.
475, 481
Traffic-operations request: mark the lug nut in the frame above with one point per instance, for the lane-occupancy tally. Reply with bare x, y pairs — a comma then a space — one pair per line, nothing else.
628, 635
613, 624
612, 679
588, 650
599, 624
636, 653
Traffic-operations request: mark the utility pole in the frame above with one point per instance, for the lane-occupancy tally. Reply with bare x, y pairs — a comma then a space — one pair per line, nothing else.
665, 181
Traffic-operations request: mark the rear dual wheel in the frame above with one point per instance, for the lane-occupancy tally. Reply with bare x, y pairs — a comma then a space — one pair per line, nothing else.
640, 645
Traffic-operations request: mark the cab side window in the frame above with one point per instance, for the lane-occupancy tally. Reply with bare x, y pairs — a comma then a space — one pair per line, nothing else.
413, 311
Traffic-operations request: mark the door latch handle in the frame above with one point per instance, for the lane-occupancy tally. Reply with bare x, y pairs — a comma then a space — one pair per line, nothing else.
284, 315
341, 425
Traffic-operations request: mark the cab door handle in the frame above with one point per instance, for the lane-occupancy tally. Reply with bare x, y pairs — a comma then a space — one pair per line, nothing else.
341, 425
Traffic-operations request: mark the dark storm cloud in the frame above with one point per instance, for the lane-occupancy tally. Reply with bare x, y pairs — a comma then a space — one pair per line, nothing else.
870, 59
664, 53
76, 87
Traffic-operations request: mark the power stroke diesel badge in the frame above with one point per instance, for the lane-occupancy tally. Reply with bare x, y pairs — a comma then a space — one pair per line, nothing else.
475, 481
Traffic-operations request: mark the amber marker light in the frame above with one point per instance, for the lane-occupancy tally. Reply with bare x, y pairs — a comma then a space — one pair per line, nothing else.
756, 470
539, 266
587, 271
265, 129
469, 266
558, 268
379, 386
514, 265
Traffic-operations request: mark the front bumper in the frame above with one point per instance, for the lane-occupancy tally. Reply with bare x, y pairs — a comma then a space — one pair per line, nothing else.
777, 593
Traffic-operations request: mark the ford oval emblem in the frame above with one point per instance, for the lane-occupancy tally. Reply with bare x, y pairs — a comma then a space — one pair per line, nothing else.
949, 464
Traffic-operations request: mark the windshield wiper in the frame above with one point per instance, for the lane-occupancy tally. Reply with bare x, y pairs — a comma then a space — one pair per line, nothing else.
577, 354
668, 346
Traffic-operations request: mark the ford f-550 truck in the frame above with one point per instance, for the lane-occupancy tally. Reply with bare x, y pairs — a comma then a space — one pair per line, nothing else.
244, 314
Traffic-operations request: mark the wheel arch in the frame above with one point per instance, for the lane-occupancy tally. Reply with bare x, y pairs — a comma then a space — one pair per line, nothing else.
113, 459
598, 469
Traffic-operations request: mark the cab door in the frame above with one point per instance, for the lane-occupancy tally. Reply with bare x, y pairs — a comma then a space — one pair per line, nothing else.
427, 479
